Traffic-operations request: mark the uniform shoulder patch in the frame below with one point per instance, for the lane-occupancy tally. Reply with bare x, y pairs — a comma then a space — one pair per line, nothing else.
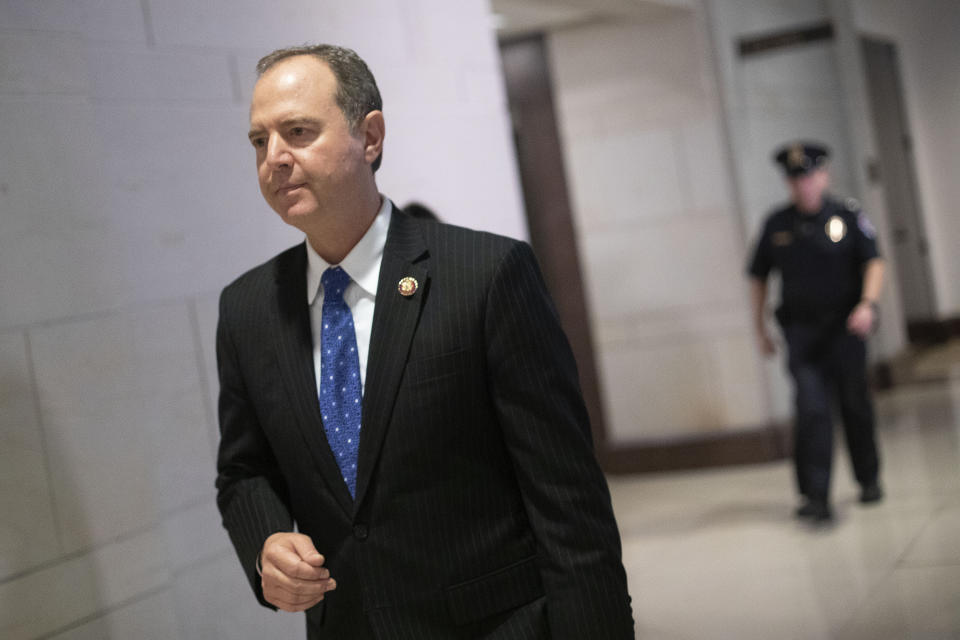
865, 225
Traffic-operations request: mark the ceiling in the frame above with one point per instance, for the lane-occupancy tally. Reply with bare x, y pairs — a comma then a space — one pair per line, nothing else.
519, 17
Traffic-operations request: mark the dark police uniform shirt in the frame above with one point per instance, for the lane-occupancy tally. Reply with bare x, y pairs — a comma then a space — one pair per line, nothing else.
820, 259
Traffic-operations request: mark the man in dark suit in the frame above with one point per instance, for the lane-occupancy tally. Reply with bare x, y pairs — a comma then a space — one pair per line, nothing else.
401, 392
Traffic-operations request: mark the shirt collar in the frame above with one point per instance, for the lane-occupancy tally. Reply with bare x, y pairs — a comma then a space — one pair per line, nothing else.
362, 264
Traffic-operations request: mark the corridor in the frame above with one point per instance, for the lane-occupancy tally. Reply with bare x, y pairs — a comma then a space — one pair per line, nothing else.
717, 554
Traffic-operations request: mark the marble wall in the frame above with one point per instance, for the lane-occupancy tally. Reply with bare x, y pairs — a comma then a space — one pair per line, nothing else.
662, 251
925, 33
128, 199
668, 135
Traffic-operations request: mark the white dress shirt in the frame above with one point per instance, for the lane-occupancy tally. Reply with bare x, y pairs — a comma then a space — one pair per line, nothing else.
362, 264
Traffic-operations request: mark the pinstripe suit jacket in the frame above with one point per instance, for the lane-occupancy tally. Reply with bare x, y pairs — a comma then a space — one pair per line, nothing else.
480, 510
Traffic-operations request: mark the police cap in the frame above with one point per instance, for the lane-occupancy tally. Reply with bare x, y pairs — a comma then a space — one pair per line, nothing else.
800, 158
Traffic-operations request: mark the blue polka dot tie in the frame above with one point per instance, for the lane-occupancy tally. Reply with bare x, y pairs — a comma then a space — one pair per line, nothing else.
340, 388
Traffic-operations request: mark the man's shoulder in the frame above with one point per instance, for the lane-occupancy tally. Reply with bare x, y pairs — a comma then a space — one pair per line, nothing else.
266, 273
449, 241
778, 218
781, 212
853, 214
849, 208
468, 259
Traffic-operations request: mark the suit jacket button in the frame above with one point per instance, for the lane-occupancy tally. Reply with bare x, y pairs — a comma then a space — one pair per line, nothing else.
360, 531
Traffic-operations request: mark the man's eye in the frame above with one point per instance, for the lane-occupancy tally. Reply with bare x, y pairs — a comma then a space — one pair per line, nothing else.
258, 142
297, 131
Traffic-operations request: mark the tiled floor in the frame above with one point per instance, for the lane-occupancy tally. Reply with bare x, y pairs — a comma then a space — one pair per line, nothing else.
717, 554
927, 363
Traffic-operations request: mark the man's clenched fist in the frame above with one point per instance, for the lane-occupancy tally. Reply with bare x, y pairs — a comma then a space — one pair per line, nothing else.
292, 572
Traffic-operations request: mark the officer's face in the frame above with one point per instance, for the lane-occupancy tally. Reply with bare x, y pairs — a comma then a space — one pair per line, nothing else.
808, 190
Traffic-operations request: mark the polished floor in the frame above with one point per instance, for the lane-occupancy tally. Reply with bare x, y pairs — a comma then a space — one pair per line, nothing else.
718, 554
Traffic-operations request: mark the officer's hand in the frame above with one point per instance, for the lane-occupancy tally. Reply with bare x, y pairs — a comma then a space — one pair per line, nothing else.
767, 346
292, 572
861, 319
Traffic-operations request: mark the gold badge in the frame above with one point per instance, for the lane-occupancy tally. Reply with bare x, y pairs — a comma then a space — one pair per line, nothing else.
836, 228
408, 286
796, 156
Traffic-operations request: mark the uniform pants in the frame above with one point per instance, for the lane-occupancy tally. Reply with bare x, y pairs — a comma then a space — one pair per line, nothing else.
829, 367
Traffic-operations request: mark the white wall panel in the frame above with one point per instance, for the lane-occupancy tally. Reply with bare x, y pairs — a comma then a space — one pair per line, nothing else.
113, 20
151, 618
620, 177
661, 247
691, 262
54, 597
371, 27
617, 76
925, 35
28, 529
705, 167
661, 391
53, 211
738, 383
51, 64
124, 418
215, 602
130, 75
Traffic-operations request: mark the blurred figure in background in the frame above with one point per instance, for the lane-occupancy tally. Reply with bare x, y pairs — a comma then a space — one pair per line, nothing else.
831, 275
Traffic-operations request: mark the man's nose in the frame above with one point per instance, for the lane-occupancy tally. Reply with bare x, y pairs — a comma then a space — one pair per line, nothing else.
278, 154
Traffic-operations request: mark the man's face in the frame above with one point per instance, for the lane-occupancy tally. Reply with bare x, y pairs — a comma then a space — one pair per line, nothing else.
807, 190
309, 162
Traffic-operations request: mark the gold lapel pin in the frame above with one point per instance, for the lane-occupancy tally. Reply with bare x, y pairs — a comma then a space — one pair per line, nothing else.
408, 286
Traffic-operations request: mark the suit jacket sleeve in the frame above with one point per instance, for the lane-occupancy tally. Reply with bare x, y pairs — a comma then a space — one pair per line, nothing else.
546, 428
251, 493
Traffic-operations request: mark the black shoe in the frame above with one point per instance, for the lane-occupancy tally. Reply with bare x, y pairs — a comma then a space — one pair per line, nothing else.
871, 493
816, 511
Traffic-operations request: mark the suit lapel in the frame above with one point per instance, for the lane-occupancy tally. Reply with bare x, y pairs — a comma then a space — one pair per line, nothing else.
394, 321
295, 355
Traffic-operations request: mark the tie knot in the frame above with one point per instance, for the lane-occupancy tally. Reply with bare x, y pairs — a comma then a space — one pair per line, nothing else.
334, 281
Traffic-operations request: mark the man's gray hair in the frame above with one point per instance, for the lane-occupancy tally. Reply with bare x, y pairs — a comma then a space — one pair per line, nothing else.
357, 92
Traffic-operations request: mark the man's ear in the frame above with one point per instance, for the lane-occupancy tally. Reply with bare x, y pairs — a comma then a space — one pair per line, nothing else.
373, 129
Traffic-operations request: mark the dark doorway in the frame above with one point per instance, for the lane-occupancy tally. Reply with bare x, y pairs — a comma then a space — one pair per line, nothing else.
543, 180
896, 172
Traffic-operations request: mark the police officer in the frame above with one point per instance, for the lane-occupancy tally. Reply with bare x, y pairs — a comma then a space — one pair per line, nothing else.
831, 275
